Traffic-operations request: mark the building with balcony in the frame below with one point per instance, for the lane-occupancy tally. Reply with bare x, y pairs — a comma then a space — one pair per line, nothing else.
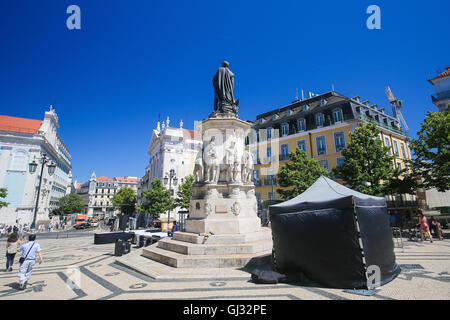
97, 194
23, 140
441, 84
320, 125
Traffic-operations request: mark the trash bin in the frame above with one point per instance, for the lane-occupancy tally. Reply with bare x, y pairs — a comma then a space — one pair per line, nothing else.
141, 241
122, 247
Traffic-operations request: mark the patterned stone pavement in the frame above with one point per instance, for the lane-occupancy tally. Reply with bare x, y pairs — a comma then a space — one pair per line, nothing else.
75, 268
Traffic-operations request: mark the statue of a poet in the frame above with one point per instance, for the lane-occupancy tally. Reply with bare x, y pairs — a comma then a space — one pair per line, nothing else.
223, 83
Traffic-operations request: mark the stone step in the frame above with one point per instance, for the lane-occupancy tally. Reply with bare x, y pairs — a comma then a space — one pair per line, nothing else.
263, 234
179, 260
214, 249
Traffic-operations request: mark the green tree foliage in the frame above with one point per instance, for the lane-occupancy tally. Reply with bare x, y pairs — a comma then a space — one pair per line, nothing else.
125, 201
184, 193
71, 203
368, 165
431, 150
156, 200
3, 194
298, 174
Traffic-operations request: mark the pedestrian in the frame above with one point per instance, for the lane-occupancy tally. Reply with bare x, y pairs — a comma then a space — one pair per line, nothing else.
50, 227
15, 229
12, 245
9, 229
439, 230
424, 228
432, 225
28, 260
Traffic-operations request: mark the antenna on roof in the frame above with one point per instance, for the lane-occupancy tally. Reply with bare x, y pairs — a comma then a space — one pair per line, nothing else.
303, 96
296, 96
332, 87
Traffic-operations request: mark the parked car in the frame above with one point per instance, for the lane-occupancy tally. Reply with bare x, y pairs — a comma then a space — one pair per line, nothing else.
83, 225
94, 223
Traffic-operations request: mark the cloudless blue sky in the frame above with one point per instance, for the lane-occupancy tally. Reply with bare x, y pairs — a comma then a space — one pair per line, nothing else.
133, 60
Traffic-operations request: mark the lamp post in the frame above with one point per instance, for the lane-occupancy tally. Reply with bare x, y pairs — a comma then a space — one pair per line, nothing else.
169, 178
51, 169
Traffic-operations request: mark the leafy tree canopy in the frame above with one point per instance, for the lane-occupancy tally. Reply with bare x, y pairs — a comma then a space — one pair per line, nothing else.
71, 203
299, 174
368, 165
431, 150
184, 193
125, 201
156, 200
3, 194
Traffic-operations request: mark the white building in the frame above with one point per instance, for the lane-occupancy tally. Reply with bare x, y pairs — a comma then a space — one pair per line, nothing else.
171, 148
97, 193
441, 84
22, 141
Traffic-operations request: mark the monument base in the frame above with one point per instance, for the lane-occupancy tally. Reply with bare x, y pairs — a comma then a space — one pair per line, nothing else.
190, 250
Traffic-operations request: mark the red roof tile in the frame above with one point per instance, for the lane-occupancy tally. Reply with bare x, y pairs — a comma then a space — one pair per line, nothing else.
103, 178
444, 74
14, 124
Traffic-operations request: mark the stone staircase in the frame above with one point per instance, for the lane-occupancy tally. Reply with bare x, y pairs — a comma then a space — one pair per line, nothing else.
190, 250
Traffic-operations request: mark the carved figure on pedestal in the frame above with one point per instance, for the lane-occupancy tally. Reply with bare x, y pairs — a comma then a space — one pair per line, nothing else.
247, 166
232, 162
211, 158
198, 167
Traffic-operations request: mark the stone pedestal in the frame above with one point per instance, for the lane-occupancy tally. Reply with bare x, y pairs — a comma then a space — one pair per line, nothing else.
223, 229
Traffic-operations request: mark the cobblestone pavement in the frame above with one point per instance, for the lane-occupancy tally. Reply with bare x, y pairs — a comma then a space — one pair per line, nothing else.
425, 275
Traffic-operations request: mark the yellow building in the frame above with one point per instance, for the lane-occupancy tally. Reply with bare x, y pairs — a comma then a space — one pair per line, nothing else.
320, 125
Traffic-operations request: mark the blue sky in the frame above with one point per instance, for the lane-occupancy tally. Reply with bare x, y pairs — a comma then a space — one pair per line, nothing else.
133, 60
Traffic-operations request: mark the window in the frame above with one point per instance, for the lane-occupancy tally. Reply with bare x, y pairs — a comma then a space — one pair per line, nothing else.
271, 195
269, 133
301, 124
301, 144
321, 145
269, 152
284, 129
399, 165
386, 141
256, 176
284, 152
396, 148
339, 141
340, 161
274, 117
337, 115
288, 112
305, 107
323, 102
319, 120
324, 164
402, 146
19, 161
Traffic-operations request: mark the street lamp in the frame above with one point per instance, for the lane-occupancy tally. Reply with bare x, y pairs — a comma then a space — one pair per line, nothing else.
51, 170
172, 177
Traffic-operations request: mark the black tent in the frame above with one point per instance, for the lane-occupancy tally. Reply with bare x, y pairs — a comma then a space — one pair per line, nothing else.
330, 234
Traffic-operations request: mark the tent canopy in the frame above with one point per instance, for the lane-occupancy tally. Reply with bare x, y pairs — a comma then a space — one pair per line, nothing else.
329, 234
326, 193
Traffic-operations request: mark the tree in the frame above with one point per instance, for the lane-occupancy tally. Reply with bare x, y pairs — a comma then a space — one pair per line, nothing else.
184, 193
3, 194
368, 165
299, 174
431, 164
71, 203
125, 201
156, 200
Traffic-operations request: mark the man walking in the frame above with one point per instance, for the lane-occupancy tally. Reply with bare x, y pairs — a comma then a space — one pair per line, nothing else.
29, 251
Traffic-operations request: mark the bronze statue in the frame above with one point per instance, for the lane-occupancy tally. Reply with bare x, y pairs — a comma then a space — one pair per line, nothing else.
223, 83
